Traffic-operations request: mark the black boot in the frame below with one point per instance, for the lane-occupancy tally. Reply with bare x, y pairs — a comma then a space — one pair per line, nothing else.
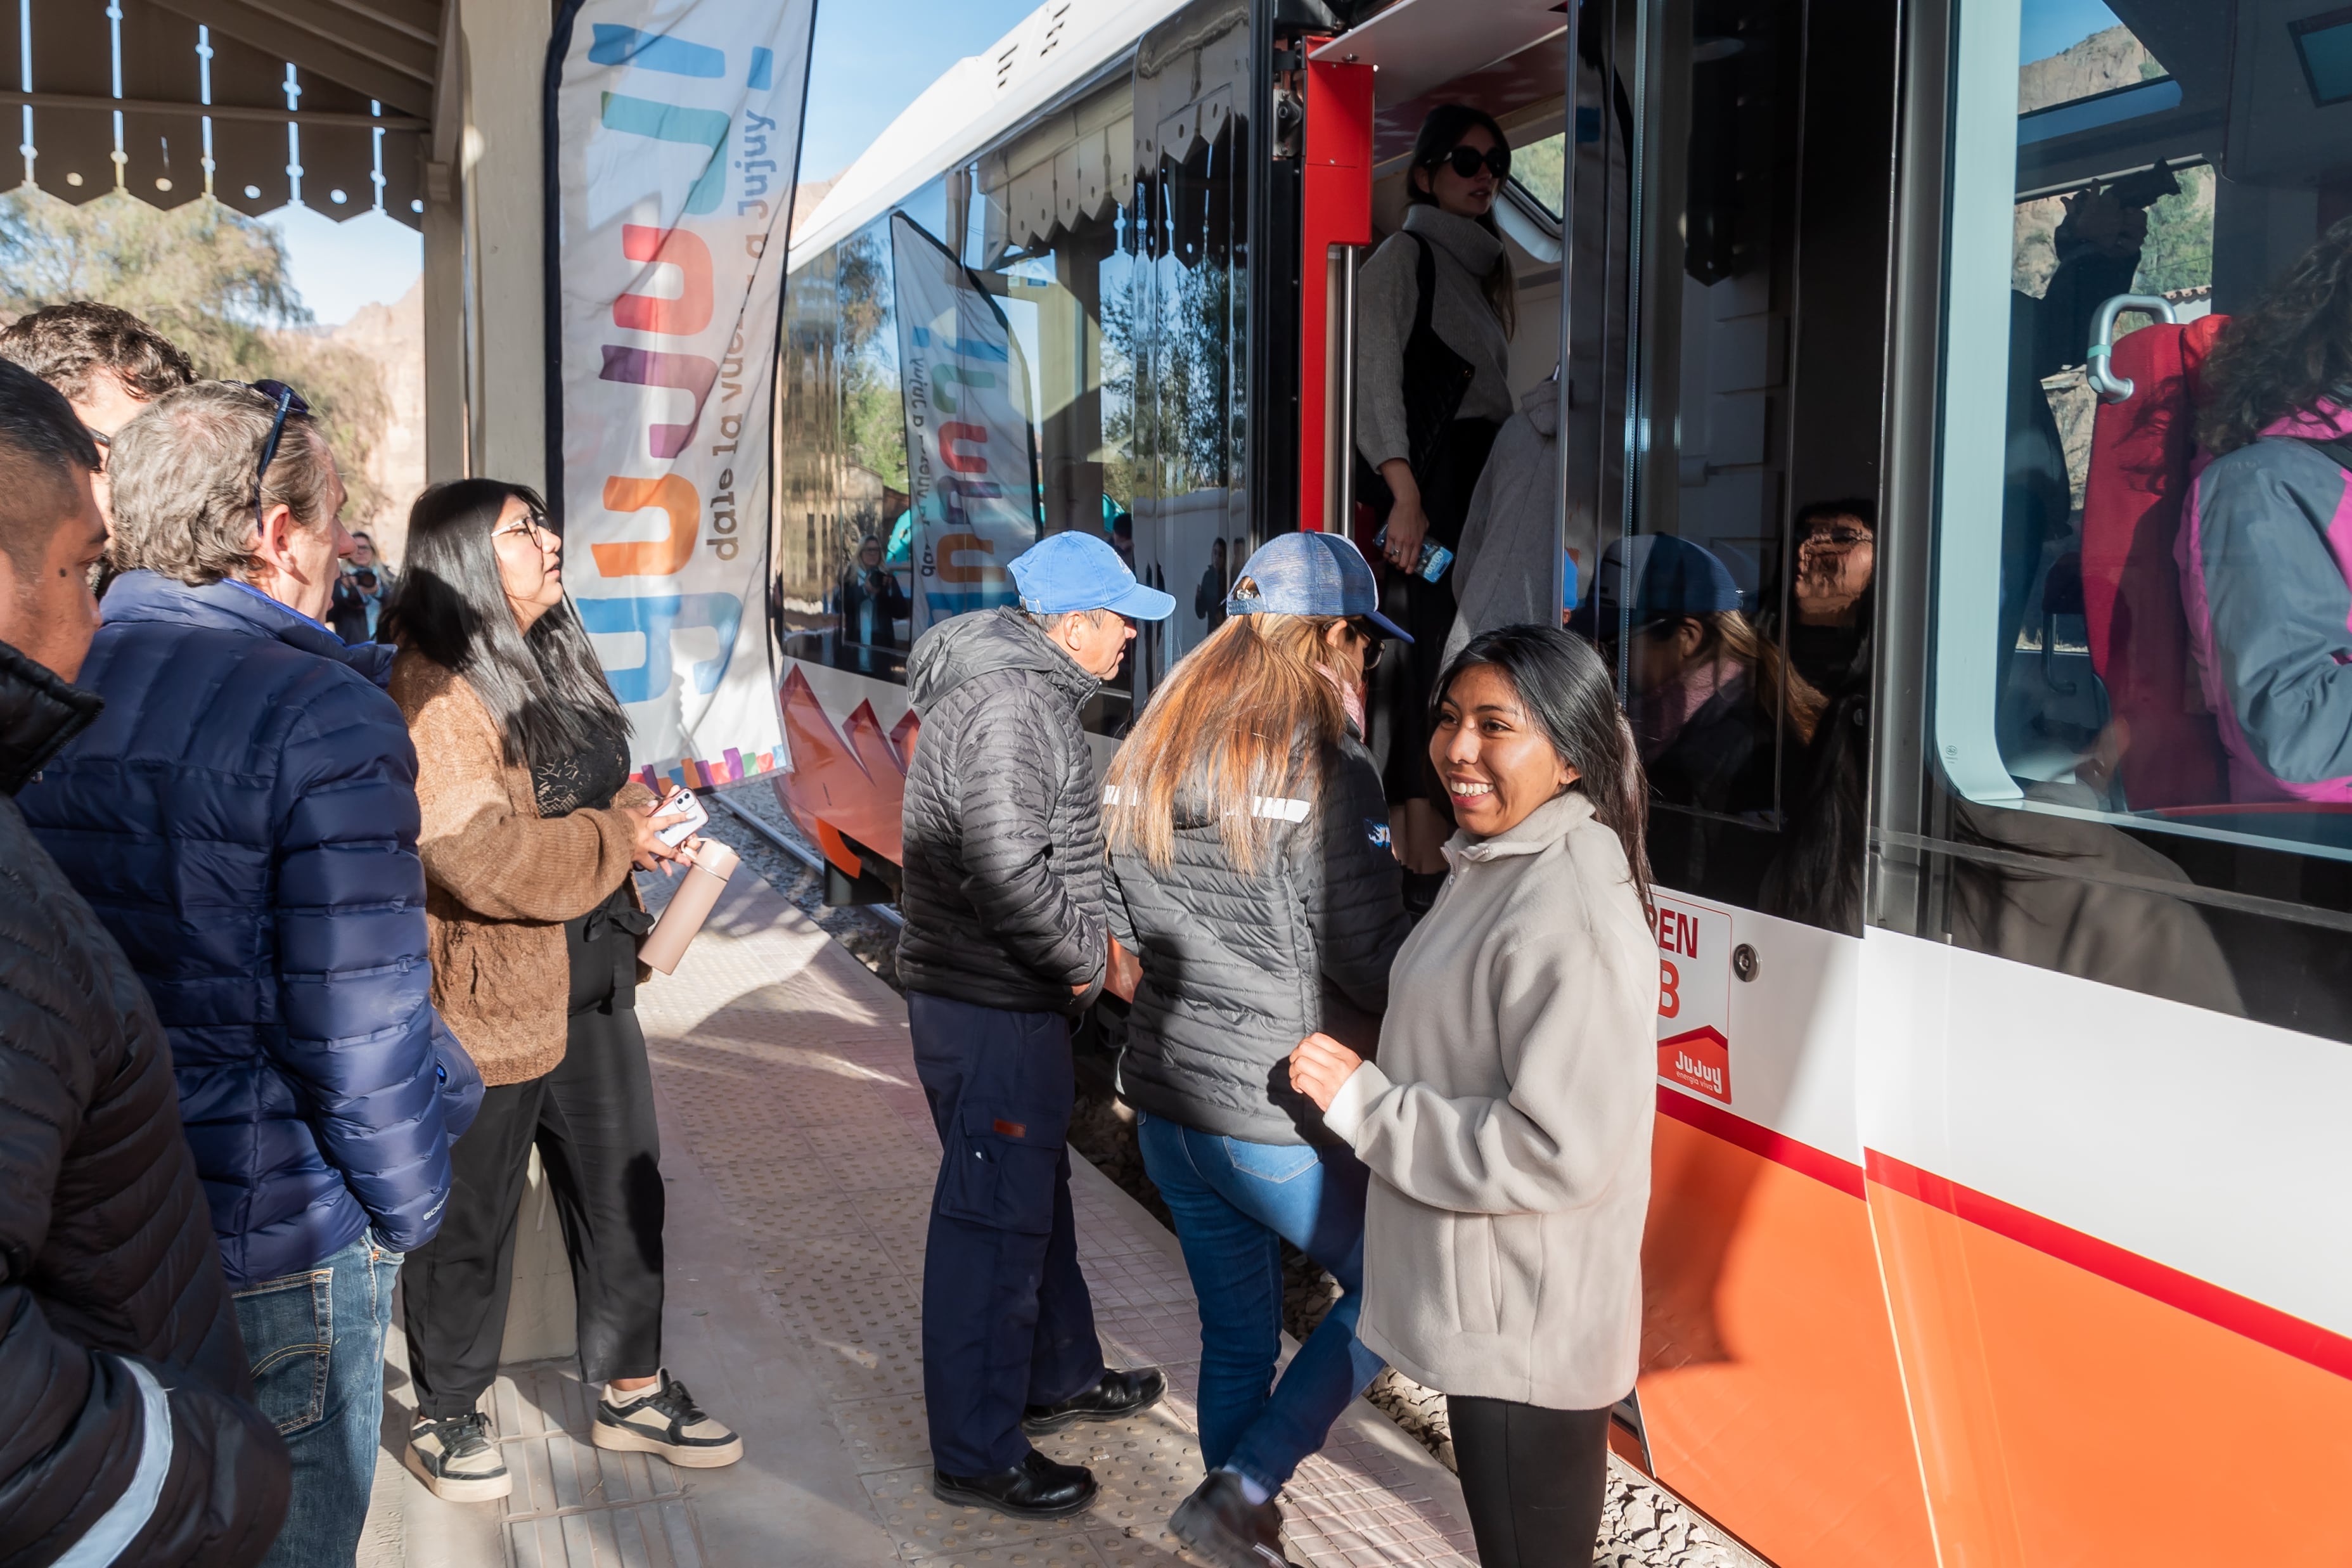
1036, 1488
1221, 1524
1119, 1395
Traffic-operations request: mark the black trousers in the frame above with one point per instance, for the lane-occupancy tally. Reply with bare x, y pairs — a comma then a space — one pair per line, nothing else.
1007, 1321
592, 1120
1534, 1481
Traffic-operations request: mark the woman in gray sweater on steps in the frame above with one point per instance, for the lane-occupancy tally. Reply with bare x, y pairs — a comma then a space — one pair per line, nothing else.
1427, 416
1507, 1123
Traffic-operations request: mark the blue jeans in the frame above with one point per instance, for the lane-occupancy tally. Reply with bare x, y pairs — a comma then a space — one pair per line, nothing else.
315, 1341
1234, 1203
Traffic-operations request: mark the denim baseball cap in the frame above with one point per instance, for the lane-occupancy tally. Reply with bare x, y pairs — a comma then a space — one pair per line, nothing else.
1670, 577
1065, 572
1312, 574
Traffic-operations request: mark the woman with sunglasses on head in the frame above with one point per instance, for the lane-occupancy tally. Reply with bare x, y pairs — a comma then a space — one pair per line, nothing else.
530, 824
1251, 875
1507, 1123
1436, 311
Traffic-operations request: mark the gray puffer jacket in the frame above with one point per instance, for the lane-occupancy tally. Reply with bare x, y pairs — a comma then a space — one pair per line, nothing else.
1004, 894
1237, 970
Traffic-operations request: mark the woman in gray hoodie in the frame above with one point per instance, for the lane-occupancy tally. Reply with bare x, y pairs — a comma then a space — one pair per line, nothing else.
1507, 1123
1435, 310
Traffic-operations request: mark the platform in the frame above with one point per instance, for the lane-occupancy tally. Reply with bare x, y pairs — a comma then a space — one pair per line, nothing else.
799, 1158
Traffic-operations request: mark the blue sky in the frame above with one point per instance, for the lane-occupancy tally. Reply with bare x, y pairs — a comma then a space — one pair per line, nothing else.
2051, 25
871, 58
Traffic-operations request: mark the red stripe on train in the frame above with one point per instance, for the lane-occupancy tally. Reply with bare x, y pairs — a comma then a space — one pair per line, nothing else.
2283, 1331
1738, 1131
2241, 1315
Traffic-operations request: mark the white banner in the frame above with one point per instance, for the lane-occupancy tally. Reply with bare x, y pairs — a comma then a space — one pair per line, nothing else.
971, 450
676, 131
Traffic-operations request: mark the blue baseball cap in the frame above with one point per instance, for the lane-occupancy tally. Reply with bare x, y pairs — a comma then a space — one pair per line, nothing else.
1312, 574
1670, 578
1064, 574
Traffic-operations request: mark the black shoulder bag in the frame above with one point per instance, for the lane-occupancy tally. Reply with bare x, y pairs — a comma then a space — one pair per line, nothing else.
1436, 379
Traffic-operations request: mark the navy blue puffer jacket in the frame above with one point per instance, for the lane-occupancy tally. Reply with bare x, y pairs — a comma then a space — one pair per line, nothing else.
243, 818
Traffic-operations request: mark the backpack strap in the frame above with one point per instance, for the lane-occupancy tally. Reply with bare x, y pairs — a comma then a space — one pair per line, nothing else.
2336, 449
1424, 277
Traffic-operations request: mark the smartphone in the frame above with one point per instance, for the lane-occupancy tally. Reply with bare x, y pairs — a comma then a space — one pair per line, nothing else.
696, 818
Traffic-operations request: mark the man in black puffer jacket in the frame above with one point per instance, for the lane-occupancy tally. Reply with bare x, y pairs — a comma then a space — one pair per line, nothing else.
125, 1435
1006, 942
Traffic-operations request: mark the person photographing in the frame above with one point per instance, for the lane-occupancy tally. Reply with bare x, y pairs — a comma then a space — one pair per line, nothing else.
1006, 941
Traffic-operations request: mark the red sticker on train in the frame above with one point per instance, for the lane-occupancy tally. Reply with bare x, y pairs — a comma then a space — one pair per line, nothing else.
1694, 997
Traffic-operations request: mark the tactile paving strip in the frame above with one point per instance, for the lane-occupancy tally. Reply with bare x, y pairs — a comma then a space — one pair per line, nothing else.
800, 1100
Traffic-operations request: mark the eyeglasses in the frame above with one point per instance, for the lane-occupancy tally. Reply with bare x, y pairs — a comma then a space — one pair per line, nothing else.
289, 401
1467, 161
1843, 537
530, 523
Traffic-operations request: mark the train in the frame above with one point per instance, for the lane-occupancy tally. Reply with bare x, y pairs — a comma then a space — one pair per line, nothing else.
2001, 1178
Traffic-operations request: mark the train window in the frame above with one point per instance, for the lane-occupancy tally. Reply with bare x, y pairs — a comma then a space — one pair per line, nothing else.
1733, 596
2143, 567
1539, 170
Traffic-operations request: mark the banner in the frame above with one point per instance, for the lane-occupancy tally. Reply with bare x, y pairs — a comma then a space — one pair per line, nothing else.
673, 140
971, 449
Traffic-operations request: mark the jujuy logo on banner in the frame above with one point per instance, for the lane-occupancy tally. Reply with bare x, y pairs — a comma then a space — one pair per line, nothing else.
972, 446
673, 139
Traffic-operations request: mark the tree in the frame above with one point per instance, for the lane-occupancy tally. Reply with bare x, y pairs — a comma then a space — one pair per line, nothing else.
212, 280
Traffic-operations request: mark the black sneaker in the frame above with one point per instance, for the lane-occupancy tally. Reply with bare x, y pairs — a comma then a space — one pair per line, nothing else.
665, 1420
457, 1460
1036, 1488
1221, 1524
1119, 1395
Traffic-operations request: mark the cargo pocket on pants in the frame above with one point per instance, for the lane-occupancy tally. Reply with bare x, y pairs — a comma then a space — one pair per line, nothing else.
289, 1327
1000, 1171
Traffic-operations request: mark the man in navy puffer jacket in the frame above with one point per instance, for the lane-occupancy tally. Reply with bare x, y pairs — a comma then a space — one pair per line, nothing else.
243, 817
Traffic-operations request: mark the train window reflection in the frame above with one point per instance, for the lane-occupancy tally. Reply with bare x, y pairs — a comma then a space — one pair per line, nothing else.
2144, 602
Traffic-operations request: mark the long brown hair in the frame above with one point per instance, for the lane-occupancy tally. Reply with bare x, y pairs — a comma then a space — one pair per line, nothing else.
2292, 350
1446, 125
1247, 715
1726, 637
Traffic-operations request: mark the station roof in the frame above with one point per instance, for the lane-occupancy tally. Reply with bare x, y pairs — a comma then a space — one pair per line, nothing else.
259, 101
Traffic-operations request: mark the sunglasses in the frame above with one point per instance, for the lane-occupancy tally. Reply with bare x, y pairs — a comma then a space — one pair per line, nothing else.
1843, 537
287, 400
1467, 161
1375, 643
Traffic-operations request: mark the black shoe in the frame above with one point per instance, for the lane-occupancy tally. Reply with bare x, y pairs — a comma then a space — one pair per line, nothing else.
1221, 1524
1036, 1488
1119, 1395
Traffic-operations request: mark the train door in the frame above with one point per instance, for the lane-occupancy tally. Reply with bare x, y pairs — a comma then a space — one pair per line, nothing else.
1734, 318
2108, 990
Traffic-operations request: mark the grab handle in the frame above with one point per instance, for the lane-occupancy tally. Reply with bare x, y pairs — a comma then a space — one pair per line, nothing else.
2112, 389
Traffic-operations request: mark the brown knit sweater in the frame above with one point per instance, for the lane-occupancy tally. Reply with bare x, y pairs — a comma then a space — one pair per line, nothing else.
500, 880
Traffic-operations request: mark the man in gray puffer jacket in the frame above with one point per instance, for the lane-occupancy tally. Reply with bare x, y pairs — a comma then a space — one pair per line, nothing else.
1005, 942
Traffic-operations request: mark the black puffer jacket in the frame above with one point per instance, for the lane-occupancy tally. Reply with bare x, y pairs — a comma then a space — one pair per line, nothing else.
1004, 894
112, 1306
1237, 970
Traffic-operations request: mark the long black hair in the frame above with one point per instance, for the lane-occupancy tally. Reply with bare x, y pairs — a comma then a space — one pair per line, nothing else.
1568, 692
2286, 354
545, 691
1446, 125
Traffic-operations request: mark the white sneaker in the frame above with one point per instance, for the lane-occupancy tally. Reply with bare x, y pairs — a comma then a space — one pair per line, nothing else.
457, 1460
665, 1420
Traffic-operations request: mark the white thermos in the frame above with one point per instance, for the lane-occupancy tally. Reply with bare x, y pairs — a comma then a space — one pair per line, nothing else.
664, 944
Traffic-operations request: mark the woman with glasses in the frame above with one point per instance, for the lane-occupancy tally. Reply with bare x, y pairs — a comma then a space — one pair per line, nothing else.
1251, 874
1436, 311
530, 824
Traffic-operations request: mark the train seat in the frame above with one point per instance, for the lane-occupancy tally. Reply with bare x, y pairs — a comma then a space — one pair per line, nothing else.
2142, 452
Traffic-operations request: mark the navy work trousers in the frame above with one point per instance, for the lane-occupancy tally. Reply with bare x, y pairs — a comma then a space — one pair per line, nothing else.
1006, 1322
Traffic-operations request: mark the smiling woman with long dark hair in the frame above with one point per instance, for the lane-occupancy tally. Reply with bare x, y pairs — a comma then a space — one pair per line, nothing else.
1507, 1123
530, 824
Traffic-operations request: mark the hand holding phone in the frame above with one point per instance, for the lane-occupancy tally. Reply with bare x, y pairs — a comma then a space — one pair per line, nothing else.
696, 818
